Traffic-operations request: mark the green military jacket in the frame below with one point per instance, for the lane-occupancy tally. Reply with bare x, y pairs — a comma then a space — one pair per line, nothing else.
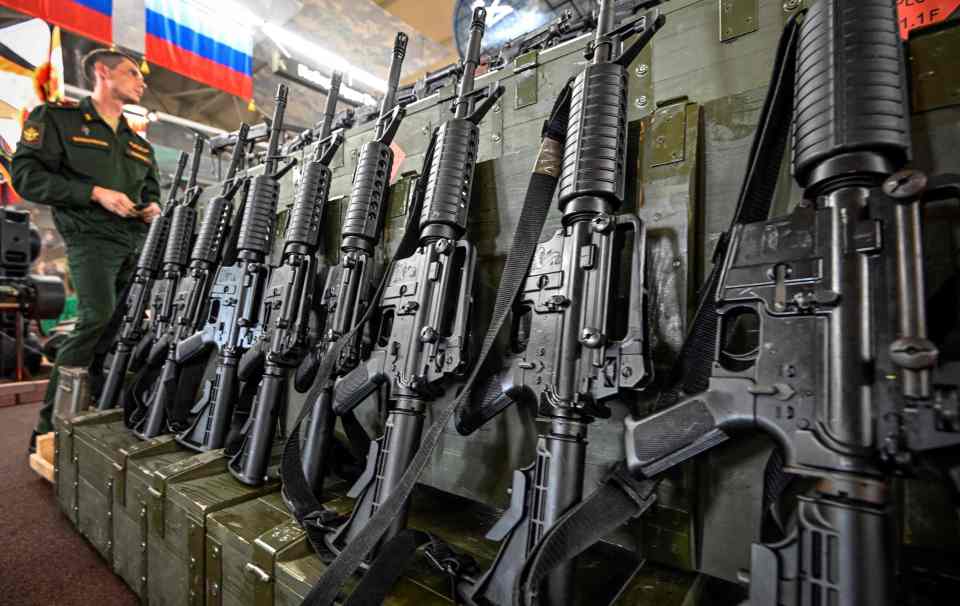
64, 151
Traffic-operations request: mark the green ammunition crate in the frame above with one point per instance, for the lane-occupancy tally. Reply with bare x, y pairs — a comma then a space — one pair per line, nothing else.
459, 522
101, 453
243, 542
239, 566
131, 515
66, 459
148, 482
176, 559
604, 572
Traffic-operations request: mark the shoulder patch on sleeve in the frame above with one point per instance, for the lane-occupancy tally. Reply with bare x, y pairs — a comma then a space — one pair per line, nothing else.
32, 135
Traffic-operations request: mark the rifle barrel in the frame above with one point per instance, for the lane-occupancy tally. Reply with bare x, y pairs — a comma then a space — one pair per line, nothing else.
197, 156
464, 104
393, 81
276, 128
177, 176
239, 150
331, 108
603, 45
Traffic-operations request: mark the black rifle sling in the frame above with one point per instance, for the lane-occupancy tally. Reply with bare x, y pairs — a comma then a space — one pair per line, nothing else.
385, 571
135, 396
620, 498
526, 237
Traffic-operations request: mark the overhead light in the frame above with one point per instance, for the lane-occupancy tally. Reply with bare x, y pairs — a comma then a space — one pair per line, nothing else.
321, 56
286, 39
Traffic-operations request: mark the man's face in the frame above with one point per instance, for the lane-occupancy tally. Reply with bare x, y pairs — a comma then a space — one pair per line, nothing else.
124, 82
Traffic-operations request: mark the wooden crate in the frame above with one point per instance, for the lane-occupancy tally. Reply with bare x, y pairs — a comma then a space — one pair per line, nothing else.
22, 392
42, 460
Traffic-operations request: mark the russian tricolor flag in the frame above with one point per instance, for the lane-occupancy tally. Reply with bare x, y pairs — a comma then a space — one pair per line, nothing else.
89, 18
186, 38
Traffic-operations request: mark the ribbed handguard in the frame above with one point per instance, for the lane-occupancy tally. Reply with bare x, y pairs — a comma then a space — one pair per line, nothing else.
594, 154
181, 231
152, 251
212, 231
307, 210
447, 195
259, 214
369, 193
851, 89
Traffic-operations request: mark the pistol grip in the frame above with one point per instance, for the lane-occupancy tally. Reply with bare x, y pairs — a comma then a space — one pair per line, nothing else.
140, 352
354, 388
190, 347
671, 436
159, 351
251, 364
306, 372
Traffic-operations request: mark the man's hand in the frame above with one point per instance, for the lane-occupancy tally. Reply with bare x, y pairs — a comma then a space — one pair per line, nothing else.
114, 201
151, 212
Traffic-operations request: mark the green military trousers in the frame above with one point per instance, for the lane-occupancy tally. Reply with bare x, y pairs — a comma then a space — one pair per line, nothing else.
99, 269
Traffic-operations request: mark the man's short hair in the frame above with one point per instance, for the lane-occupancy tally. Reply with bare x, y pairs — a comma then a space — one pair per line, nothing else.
108, 56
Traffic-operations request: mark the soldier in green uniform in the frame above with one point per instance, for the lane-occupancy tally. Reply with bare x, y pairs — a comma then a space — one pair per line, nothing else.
100, 177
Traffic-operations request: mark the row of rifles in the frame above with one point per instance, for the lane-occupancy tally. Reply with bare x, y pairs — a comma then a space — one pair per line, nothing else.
403, 333
259, 323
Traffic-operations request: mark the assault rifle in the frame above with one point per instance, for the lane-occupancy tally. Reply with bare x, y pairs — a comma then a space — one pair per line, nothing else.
821, 331
425, 305
148, 266
430, 83
347, 292
565, 26
574, 348
288, 302
175, 259
236, 299
188, 307
811, 328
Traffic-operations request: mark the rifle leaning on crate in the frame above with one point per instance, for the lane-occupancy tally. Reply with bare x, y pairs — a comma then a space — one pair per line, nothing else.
236, 299
175, 258
348, 291
572, 353
127, 322
151, 409
811, 329
287, 306
424, 309
442, 224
